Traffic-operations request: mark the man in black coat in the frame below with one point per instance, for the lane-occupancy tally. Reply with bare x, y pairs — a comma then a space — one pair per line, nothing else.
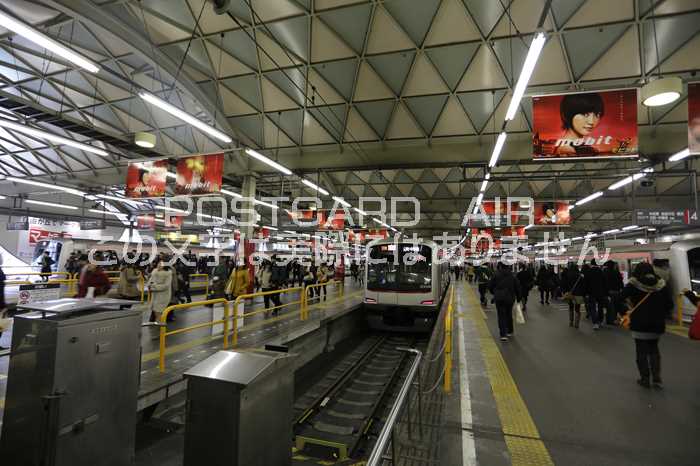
597, 292
526, 281
506, 290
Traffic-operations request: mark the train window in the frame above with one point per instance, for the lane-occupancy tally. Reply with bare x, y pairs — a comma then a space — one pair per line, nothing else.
413, 272
694, 268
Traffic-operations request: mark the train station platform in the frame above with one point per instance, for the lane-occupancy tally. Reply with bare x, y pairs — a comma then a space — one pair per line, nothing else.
556, 395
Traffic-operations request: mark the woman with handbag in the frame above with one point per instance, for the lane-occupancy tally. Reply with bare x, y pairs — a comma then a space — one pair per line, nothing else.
646, 319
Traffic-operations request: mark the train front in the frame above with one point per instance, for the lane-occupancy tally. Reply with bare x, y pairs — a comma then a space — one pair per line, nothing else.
401, 293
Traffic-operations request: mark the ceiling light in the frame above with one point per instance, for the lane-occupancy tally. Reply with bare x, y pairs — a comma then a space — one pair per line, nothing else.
529, 226
230, 193
144, 139
631, 227
483, 185
651, 229
270, 162
626, 181
186, 117
289, 232
479, 198
270, 228
51, 204
3, 197
497, 149
662, 91
530, 61
577, 238
314, 186
130, 202
679, 156
46, 42
610, 232
590, 198
361, 212
73, 191
266, 204
170, 209
341, 201
40, 134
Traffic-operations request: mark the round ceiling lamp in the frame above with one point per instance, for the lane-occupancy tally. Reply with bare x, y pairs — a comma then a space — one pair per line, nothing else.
143, 139
662, 91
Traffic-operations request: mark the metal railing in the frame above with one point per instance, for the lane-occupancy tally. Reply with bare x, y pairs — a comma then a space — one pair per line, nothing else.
388, 432
164, 333
200, 284
448, 342
340, 285
237, 302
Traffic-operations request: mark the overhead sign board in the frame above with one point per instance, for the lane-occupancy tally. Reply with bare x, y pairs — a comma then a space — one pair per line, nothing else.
18, 225
659, 217
97, 224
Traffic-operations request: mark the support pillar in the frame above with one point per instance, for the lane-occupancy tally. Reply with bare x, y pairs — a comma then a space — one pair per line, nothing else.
247, 231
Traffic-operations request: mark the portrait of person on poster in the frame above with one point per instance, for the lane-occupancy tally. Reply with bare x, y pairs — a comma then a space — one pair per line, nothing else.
146, 179
585, 125
199, 174
552, 213
694, 118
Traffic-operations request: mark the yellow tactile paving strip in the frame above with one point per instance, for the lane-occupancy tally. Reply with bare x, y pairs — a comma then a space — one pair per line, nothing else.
521, 435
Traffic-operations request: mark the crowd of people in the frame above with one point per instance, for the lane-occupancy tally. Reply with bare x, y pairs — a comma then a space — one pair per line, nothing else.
592, 292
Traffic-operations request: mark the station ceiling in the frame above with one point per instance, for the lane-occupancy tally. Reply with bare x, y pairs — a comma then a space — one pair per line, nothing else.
369, 98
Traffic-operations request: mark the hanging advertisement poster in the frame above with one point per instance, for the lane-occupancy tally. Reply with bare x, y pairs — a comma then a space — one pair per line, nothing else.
552, 213
585, 125
145, 222
694, 118
199, 174
146, 179
172, 222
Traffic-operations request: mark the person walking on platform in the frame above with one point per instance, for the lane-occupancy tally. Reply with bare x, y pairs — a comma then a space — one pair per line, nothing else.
506, 290
470, 273
361, 273
309, 279
545, 282
46, 263
182, 273
237, 282
265, 279
526, 281
597, 294
128, 287
483, 277
218, 280
574, 290
323, 276
160, 288
648, 305
614, 285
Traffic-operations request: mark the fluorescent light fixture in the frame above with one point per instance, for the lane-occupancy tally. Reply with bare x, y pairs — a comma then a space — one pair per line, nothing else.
40, 134
679, 155
170, 209
73, 191
589, 198
479, 198
230, 193
3, 197
361, 212
626, 181
483, 185
497, 149
314, 186
610, 232
270, 228
51, 204
377, 220
528, 68
289, 232
529, 226
577, 238
266, 204
144, 139
270, 162
341, 201
651, 229
662, 91
184, 116
46, 42
631, 227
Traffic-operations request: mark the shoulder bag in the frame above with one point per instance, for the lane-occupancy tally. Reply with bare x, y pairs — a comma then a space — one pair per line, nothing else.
626, 320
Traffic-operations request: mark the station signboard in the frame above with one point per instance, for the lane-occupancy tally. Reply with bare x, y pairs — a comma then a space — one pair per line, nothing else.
18, 225
661, 217
98, 224
38, 292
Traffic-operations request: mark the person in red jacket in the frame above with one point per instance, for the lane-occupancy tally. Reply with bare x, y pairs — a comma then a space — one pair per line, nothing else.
93, 276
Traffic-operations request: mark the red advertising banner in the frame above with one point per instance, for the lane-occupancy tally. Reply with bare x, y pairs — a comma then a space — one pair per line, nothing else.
585, 125
552, 213
172, 222
146, 179
694, 118
199, 174
145, 222
39, 234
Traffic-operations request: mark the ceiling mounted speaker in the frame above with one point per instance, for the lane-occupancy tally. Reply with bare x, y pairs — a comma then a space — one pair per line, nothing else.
662, 91
143, 139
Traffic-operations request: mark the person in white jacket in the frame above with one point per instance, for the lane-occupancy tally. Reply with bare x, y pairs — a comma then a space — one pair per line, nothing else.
160, 288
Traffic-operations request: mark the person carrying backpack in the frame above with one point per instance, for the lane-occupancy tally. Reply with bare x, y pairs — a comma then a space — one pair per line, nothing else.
506, 291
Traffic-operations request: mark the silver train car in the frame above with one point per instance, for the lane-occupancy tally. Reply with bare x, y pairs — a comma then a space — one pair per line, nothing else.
405, 285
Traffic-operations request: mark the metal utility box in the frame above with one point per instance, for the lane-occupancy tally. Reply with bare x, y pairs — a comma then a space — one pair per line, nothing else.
239, 410
72, 387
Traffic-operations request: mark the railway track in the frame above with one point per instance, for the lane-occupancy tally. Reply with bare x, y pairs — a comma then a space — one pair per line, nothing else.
338, 413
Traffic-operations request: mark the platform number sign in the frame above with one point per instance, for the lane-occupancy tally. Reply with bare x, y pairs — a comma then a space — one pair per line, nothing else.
691, 217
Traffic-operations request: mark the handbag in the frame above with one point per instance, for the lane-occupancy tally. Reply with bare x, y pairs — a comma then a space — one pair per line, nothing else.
626, 320
569, 295
518, 311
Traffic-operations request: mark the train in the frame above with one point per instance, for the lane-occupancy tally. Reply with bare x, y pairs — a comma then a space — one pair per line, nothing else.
404, 295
